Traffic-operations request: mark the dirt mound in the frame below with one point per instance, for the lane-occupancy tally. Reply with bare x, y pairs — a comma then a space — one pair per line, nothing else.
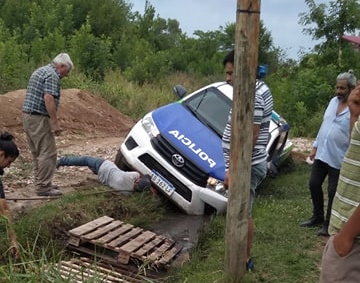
90, 126
81, 115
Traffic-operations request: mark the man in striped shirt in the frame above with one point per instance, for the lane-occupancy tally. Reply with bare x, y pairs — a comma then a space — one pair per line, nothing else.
341, 256
262, 115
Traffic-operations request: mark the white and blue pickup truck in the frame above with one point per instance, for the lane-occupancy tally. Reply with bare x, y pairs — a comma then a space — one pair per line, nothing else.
179, 145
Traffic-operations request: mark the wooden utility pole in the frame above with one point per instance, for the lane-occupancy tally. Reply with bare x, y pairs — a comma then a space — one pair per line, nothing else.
246, 56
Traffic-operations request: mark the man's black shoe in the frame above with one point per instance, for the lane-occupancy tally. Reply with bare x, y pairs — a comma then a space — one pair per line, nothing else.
313, 222
323, 231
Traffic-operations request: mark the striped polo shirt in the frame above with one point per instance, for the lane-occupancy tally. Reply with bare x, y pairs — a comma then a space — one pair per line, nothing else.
263, 107
347, 196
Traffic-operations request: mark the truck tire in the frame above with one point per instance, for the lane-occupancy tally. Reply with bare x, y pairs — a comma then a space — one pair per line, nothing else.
120, 161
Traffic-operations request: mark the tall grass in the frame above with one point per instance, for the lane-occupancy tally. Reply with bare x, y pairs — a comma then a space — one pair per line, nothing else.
136, 100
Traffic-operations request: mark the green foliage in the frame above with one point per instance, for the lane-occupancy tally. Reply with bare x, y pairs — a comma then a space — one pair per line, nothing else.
11, 58
148, 68
329, 24
145, 49
91, 54
302, 95
134, 100
46, 45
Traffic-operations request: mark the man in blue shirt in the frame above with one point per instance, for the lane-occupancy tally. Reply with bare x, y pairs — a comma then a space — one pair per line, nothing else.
328, 152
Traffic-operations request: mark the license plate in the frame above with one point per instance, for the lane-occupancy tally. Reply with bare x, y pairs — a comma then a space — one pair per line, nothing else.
162, 183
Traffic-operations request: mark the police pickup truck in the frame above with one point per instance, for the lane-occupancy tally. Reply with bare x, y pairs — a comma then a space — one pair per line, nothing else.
179, 145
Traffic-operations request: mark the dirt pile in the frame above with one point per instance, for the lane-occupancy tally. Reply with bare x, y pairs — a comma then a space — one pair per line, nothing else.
82, 116
90, 126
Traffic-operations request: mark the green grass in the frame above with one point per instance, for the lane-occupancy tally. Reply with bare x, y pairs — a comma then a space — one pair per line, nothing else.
43, 231
283, 251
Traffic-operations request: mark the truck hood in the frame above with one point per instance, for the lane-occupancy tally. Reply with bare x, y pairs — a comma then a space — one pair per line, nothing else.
191, 139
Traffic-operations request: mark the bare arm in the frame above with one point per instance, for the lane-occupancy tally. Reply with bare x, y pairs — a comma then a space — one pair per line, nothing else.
354, 106
256, 130
51, 108
313, 153
344, 241
5, 211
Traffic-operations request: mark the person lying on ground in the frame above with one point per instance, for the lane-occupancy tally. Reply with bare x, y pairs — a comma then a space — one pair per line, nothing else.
8, 153
108, 173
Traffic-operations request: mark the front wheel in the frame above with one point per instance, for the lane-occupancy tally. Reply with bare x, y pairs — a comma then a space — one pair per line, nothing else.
120, 161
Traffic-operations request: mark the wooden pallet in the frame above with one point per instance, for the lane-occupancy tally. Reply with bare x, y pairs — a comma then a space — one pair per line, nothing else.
79, 270
120, 242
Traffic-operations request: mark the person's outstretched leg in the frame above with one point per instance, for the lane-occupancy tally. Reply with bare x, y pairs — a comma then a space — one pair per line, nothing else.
93, 163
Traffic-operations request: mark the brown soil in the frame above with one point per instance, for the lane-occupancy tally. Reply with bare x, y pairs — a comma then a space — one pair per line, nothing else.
90, 126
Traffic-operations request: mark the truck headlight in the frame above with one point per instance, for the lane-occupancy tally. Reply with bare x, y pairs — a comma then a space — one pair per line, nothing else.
149, 126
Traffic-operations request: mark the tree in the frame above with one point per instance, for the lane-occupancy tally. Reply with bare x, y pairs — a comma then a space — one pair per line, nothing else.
343, 16
268, 54
90, 53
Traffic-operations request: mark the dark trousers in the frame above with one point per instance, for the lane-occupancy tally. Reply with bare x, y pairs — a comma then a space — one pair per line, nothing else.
318, 174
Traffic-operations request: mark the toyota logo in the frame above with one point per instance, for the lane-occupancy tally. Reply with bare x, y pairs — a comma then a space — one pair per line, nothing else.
178, 160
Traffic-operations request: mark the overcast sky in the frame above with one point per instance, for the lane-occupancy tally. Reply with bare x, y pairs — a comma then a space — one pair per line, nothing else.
279, 16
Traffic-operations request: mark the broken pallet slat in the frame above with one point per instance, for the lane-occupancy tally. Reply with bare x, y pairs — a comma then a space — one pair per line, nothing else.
169, 255
160, 250
146, 248
126, 250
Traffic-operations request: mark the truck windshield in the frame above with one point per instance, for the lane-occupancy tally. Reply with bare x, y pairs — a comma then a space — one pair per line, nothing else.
211, 107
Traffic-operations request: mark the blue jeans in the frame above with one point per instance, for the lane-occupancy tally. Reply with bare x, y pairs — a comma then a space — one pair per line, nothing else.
93, 163
258, 174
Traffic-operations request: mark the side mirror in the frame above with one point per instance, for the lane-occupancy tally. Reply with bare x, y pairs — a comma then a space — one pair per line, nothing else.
179, 91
